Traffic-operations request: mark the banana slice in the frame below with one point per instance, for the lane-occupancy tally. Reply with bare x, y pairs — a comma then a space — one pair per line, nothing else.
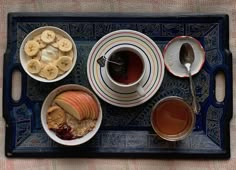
31, 48
55, 45
38, 40
42, 73
58, 37
38, 56
69, 54
50, 71
64, 63
64, 45
48, 36
60, 72
34, 66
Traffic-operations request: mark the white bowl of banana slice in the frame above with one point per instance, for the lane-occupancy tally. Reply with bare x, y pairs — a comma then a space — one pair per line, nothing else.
48, 54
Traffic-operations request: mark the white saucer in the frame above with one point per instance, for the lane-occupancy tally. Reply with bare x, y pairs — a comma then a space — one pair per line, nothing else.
153, 76
171, 56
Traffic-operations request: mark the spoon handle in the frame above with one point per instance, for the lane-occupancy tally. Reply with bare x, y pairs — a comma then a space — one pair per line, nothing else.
195, 105
102, 59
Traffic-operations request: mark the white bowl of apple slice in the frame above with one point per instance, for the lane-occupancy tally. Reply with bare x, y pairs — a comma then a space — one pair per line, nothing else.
71, 115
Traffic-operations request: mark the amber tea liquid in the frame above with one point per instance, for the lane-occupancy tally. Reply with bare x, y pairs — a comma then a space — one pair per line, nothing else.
172, 117
131, 69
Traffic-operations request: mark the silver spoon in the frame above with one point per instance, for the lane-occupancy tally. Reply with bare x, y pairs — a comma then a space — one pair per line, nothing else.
186, 57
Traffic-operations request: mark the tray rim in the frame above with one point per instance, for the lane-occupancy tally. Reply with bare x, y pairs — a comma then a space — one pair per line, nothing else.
228, 61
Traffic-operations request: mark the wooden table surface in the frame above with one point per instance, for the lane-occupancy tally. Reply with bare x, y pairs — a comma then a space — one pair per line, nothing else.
140, 6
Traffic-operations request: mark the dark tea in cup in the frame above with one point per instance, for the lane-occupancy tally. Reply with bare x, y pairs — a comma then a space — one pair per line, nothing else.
172, 118
126, 67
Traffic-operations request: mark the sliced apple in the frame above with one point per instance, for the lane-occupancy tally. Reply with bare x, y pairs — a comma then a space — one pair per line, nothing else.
85, 103
69, 107
66, 97
93, 105
71, 96
96, 108
83, 96
90, 107
79, 104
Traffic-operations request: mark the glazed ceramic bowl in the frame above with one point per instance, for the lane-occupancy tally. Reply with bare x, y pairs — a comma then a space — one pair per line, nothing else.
24, 58
171, 56
48, 102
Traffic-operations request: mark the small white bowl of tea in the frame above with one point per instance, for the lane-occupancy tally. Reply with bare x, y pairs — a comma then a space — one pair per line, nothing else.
172, 118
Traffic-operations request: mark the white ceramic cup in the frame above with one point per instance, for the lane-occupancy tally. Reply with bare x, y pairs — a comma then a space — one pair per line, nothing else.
136, 84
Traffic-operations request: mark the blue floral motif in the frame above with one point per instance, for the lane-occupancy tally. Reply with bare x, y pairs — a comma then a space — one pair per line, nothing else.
213, 131
197, 29
172, 30
131, 26
116, 117
201, 80
136, 140
214, 57
36, 139
211, 39
23, 131
213, 119
214, 114
150, 29
21, 113
112, 140
82, 31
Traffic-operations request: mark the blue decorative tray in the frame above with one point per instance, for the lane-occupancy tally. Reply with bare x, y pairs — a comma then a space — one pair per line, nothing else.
125, 132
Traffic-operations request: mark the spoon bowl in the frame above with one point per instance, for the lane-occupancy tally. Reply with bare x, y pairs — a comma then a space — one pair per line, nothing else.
186, 56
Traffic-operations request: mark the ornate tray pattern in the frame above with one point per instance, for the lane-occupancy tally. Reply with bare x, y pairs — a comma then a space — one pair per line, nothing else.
125, 132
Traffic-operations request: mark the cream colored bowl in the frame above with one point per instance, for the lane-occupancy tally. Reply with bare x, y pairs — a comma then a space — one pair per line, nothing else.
47, 103
24, 59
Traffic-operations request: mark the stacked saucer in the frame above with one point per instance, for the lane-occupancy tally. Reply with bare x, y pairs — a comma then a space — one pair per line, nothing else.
152, 78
